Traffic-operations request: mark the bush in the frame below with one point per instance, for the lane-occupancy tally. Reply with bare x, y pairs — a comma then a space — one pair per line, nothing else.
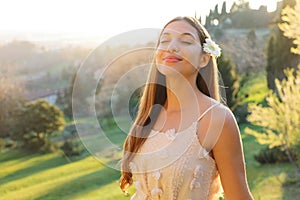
241, 113
70, 130
296, 150
274, 155
48, 147
2, 144
71, 148
9, 143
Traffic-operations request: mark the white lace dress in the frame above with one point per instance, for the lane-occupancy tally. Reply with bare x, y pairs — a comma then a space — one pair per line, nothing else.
175, 166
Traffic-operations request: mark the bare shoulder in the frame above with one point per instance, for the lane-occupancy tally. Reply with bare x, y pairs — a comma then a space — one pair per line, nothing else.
216, 126
218, 110
229, 137
220, 113
225, 119
225, 112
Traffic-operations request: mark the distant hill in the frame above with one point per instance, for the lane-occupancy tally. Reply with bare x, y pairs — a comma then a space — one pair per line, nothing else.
247, 52
243, 33
241, 16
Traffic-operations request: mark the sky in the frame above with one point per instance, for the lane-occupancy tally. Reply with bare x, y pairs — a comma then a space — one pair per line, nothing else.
88, 18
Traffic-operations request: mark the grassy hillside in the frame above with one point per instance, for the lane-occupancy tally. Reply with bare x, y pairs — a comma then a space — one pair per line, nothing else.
32, 176
51, 176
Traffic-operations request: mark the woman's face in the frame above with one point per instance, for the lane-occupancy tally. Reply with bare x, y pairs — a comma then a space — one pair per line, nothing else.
179, 50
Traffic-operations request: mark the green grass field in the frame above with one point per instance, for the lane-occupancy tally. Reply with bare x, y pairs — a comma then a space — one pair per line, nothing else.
52, 176
255, 89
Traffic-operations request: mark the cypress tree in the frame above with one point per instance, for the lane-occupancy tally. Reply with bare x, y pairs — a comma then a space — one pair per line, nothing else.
216, 11
230, 79
224, 12
270, 58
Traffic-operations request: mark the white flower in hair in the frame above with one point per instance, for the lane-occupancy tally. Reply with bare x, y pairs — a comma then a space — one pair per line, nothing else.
211, 47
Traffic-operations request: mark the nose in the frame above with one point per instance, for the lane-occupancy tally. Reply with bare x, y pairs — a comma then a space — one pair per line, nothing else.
173, 46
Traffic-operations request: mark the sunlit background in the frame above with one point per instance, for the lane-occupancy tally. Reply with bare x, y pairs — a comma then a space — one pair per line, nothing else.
91, 20
68, 68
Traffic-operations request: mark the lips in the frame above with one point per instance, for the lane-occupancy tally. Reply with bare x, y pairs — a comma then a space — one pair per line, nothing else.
172, 59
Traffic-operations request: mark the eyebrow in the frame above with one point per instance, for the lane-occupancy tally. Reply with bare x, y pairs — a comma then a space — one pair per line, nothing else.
182, 34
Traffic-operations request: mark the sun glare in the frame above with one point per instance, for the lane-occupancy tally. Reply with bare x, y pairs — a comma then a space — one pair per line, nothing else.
95, 18
271, 4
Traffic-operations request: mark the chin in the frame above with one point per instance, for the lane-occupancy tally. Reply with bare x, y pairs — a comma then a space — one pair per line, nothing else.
168, 70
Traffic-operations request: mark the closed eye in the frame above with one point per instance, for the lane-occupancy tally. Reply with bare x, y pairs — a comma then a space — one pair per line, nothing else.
186, 42
164, 41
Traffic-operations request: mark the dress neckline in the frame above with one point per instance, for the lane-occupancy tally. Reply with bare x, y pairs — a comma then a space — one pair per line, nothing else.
202, 148
192, 124
177, 132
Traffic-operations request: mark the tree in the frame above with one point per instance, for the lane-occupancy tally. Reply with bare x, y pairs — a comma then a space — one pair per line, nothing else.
251, 37
39, 120
291, 25
270, 57
64, 100
241, 5
233, 8
280, 121
200, 19
282, 58
216, 11
209, 19
79, 85
224, 12
230, 80
12, 97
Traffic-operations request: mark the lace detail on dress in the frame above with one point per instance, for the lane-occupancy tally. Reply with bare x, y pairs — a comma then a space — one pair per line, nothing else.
176, 166
181, 165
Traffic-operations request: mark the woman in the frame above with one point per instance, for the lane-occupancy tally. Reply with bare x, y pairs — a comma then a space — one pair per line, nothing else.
184, 144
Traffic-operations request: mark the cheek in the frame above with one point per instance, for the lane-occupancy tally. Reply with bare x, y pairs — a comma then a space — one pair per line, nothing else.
158, 56
196, 60
193, 57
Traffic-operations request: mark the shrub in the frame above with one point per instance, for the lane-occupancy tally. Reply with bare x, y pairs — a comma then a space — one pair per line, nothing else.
2, 144
71, 148
9, 143
274, 155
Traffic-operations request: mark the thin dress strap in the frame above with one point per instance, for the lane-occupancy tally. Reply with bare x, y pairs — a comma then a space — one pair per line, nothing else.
208, 109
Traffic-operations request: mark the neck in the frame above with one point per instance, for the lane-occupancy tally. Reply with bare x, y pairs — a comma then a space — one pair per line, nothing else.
181, 93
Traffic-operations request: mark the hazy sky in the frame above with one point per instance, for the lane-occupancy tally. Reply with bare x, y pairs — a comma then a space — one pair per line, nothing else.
91, 17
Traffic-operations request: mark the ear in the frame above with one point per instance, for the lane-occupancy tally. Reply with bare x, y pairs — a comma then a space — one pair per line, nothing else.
204, 59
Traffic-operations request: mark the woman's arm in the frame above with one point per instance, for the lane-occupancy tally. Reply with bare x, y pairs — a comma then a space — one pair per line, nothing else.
228, 154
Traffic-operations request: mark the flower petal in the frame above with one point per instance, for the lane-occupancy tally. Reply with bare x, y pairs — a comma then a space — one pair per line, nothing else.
156, 191
156, 175
197, 171
171, 134
211, 47
194, 184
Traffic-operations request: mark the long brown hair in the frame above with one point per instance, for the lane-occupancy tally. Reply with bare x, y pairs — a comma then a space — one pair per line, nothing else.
155, 93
